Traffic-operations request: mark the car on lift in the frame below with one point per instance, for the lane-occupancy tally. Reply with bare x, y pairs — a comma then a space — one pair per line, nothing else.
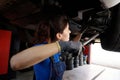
96, 18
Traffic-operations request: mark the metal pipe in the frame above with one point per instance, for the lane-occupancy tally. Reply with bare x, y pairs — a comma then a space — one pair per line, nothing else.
92, 38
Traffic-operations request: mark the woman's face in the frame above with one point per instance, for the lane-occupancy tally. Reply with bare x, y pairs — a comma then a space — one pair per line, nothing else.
65, 36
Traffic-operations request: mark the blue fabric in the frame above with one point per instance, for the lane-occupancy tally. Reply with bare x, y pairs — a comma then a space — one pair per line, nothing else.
58, 70
43, 69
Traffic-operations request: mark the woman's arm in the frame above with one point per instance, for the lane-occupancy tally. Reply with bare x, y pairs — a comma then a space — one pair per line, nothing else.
33, 55
36, 54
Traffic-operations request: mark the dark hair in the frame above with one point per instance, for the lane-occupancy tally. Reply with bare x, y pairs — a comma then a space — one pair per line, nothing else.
53, 20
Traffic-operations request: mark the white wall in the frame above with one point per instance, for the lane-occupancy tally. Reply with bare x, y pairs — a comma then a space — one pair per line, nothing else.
103, 57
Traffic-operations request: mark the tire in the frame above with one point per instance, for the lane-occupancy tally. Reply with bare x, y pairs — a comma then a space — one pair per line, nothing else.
110, 39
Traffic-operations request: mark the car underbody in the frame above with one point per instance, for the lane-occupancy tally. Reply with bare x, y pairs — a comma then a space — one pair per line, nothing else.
90, 18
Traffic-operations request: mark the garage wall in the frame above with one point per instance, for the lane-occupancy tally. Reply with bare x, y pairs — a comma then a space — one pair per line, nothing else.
5, 40
102, 57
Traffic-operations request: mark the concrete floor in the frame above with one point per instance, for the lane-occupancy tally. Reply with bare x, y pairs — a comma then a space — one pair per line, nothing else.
85, 72
24, 75
92, 72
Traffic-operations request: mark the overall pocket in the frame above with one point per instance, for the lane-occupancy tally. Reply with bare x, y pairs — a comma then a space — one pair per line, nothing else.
58, 70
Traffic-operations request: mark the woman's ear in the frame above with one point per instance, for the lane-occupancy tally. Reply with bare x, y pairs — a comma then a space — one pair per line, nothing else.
59, 36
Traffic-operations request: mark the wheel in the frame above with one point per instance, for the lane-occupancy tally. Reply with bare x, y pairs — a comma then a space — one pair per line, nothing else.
110, 39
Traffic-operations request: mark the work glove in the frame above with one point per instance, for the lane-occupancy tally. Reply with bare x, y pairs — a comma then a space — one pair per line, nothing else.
70, 46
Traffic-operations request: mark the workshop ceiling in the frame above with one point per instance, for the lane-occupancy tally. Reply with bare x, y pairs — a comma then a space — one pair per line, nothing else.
24, 12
